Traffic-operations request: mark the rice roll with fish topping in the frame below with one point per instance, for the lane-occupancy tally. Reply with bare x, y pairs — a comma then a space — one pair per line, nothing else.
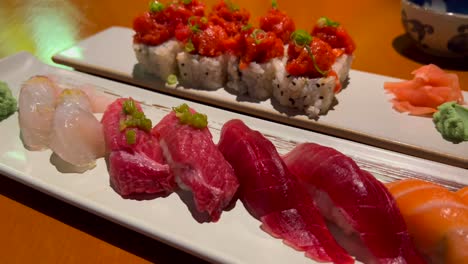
235, 22
154, 43
278, 22
342, 44
202, 63
255, 71
306, 81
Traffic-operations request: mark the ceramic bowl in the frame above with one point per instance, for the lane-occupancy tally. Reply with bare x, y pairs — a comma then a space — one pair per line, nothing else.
435, 31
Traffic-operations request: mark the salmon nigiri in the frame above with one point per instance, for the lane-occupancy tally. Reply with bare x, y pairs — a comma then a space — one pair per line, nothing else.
463, 193
429, 88
437, 219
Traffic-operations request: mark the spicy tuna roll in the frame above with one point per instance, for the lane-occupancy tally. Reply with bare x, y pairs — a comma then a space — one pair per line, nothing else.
235, 21
260, 48
202, 63
306, 81
256, 68
341, 42
154, 43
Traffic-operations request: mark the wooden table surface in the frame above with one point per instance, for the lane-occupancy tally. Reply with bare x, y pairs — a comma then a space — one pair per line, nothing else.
35, 228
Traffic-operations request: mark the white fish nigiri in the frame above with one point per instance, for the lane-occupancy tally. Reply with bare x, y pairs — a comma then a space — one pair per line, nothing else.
36, 111
77, 135
99, 100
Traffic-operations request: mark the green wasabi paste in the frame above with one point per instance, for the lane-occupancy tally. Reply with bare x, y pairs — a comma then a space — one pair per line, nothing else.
8, 103
451, 120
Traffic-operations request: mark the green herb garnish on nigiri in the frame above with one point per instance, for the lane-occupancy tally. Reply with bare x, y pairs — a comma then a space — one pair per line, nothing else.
196, 120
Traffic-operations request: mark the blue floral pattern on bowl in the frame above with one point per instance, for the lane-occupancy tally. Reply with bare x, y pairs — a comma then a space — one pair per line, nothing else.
415, 26
459, 43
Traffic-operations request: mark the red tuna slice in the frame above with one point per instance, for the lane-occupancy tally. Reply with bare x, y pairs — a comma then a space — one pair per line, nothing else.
137, 173
197, 164
356, 202
136, 168
274, 196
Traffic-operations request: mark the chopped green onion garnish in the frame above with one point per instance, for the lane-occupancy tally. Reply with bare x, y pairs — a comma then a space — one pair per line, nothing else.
130, 135
204, 20
186, 2
246, 27
315, 63
172, 79
156, 6
189, 47
196, 120
325, 21
129, 107
301, 37
134, 118
232, 7
274, 4
255, 35
193, 27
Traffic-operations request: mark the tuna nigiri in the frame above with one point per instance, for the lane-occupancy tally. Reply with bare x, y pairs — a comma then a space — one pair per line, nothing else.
37, 101
198, 165
136, 163
437, 219
355, 202
430, 87
76, 134
273, 195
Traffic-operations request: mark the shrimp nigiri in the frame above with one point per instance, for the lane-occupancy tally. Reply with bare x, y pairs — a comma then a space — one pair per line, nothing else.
37, 101
437, 219
76, 135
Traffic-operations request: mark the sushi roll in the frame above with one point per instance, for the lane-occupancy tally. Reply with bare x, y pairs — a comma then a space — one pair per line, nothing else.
260, 48
317, 68
278, 22
153, 43
202, 63
342, 44
235, 22
256, 67
306, 81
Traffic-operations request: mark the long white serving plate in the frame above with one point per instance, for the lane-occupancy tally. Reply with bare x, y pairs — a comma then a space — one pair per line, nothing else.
236, 238
363, 113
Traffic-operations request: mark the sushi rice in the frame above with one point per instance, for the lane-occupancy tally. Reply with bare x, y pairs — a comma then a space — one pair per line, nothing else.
314, 96
255, 80
201, 72
159, 60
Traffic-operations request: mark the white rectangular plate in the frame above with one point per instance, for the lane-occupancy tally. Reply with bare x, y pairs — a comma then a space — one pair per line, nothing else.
363, 113
236, 238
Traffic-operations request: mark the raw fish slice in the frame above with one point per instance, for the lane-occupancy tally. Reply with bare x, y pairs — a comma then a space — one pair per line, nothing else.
437, 219
198, 165
137, 168
76, 134
137, 173
463, 193
37, 100
429, 88
99, 100
274, 196
355, 201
